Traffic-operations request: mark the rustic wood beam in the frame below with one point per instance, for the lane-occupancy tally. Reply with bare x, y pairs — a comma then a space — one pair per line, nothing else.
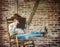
33, 11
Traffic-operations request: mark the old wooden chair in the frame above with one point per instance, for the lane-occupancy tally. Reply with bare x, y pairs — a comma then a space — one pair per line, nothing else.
16, 41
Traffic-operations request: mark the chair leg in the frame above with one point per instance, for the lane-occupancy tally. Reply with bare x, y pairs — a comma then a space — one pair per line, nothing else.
33, 44
17, 42
10, 43
22, 46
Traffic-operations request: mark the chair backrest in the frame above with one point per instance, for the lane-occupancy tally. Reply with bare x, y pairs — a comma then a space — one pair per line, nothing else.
8, 21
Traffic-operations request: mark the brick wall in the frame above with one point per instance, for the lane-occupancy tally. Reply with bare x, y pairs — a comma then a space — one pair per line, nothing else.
47, 14
1, 31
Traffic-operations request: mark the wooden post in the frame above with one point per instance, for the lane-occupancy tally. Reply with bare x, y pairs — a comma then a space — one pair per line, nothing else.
17, 41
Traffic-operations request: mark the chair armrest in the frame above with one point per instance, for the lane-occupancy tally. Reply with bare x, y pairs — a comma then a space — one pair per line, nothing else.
12, 35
